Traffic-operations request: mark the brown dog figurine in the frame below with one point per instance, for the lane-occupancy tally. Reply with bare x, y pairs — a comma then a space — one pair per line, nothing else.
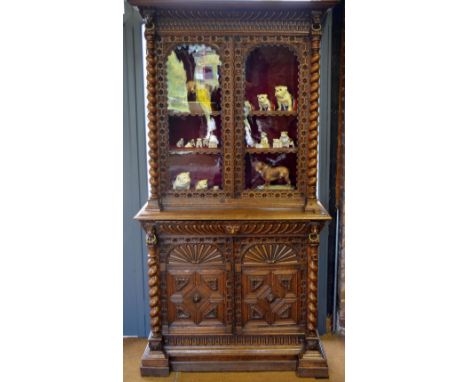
270, 174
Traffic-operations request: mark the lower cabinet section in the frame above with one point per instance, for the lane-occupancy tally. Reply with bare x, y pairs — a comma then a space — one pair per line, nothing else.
234, 301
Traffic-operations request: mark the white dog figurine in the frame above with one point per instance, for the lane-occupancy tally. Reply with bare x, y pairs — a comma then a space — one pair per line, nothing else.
182, 181
283, 98
264, 103
202, 184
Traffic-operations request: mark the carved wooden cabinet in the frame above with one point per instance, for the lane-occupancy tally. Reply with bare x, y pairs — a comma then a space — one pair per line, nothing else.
232, 222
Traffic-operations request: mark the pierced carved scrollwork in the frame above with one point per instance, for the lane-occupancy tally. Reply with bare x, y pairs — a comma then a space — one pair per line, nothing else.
212, 21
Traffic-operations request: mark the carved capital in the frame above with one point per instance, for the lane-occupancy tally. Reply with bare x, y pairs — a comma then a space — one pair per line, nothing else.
151, 238
316, 25
314, 235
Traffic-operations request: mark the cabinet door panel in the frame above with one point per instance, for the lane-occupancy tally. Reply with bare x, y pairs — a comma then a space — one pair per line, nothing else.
196, 292
270, 287
270, 297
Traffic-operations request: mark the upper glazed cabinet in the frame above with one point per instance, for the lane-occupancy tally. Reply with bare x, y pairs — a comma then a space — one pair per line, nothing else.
234, 112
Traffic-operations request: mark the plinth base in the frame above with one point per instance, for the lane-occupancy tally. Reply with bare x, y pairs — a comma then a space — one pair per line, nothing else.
306, 357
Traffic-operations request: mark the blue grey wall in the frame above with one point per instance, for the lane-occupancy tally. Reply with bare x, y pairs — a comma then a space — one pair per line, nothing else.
135, 190
135, 301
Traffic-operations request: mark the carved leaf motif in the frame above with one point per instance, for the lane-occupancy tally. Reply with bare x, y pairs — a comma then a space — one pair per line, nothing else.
286, 283
181, 313
255, 312
255, 283
212, 313
270, 254
212, 283
181, 282
196, 254
286, 312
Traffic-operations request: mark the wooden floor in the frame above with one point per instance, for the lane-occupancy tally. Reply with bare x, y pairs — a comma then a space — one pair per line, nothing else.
133, 349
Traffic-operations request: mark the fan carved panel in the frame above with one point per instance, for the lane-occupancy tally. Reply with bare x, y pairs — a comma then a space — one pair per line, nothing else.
196, 254
270, 254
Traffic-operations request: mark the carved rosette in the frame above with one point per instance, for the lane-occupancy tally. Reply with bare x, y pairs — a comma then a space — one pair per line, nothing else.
312, 269
150, 36
312, 141
153, 280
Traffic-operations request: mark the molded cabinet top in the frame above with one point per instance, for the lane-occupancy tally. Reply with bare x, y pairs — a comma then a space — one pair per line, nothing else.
234, 4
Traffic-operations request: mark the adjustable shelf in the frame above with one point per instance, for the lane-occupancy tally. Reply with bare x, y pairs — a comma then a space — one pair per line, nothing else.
275, 150
273, 113
195, 150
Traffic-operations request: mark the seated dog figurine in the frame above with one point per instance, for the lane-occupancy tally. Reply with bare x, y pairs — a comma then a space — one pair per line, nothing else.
271, 174
182, 181
264, 103
283, 98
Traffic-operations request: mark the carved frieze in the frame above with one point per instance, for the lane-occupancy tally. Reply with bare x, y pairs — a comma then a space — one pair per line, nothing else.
216, 229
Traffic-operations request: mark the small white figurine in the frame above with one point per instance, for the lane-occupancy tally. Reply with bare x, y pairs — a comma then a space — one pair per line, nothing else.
276, 143
283, 98
215, 188
248, 131
202, 184
180, 142
182, 181
199, 143
264, 103
190, 143
205, 142
213, 142
285, 140
264, 140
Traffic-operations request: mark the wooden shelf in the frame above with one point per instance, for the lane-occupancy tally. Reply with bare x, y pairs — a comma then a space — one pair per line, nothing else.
281, 150
172, 113
274, 113
195, 150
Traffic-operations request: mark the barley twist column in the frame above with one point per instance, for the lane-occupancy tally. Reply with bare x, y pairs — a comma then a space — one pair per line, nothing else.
154, 360
150, 34
312, 362
312, 138
312, 270
153, 281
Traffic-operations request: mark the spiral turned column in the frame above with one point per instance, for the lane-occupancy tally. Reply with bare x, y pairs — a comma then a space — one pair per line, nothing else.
150, 36
153, 282
312, 137
312, 272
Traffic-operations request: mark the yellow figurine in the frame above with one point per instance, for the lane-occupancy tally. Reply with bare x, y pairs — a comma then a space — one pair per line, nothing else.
203, 98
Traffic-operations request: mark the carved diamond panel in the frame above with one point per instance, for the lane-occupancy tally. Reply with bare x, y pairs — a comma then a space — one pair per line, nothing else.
270, 297
195, 298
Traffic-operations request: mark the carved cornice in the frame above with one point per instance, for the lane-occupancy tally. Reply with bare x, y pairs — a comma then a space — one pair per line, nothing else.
228, 228
179, 21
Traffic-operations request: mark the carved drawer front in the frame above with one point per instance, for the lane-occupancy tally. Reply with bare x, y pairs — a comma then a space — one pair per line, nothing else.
196, 290
270, 289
